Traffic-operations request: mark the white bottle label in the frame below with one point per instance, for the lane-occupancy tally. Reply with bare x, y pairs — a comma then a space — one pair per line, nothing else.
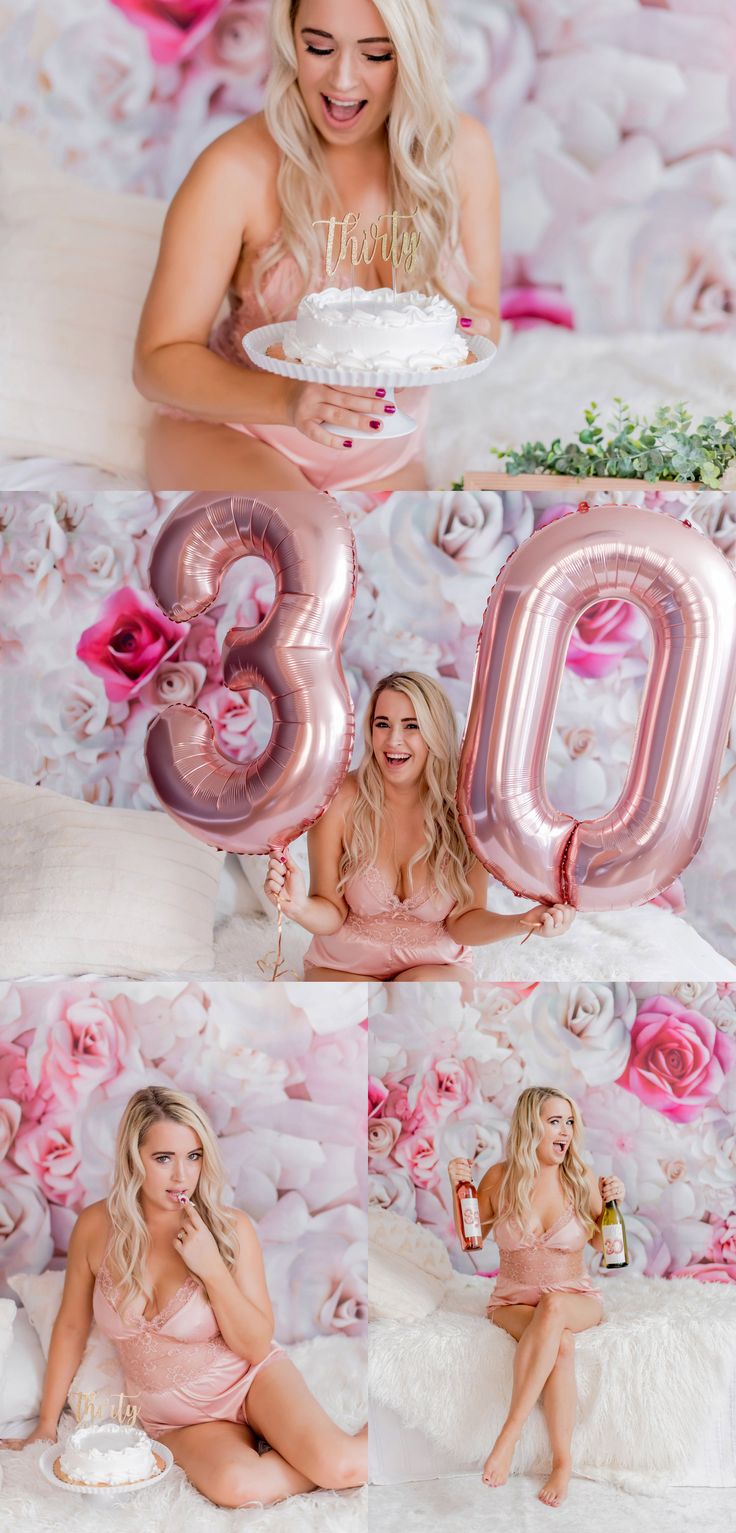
613, 1245
470, 1214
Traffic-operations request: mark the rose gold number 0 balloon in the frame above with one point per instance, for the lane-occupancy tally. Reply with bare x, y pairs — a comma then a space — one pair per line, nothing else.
293, 656
687, 590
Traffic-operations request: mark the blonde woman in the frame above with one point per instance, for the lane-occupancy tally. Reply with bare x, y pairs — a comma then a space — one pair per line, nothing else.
395, 892
541, 1205
357, 119
175, 1279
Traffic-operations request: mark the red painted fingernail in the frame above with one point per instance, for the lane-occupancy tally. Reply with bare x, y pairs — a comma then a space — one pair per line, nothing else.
583, 507
389, 409
380, 393
375, 425
465, 322
347, 444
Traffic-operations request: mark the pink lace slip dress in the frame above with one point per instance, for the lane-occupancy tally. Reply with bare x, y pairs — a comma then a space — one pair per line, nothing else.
548, 1261
177, 1366
383, 935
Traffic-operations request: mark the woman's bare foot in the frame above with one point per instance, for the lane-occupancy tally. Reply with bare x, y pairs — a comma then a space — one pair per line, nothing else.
554, 1490
498, 1464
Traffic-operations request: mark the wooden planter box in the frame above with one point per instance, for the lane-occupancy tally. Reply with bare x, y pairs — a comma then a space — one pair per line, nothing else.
482, 479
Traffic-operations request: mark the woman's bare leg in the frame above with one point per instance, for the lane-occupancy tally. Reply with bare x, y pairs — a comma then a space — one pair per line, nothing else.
221, 1460
455, 972
536, 1355
559, 1398
206, 455
281, 1408
331, 976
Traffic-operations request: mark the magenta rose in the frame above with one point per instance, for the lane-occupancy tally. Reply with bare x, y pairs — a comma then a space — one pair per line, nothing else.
604, 634
679, 1059
83, 1044
173, 28
129, 642
526, 307
377, 1094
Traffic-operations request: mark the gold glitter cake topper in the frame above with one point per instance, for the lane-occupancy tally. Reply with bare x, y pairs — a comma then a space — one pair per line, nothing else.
111, 1408
399, 246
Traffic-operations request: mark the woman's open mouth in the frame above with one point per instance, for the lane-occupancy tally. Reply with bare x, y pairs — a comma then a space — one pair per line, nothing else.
340, 112
394, 760
561, 1146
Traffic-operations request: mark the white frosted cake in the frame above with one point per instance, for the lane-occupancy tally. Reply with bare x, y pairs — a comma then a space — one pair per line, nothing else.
380, 330
107, 1454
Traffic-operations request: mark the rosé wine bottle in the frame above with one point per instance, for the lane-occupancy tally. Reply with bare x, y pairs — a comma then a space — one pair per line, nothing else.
468, 1210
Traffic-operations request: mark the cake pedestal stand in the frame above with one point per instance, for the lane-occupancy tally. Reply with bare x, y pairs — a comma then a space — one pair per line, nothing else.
258, 344
50, 1455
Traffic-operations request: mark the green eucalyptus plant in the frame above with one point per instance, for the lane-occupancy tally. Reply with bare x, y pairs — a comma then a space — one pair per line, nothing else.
629, 447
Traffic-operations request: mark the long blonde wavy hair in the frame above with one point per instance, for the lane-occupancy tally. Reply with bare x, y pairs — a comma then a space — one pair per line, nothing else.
517, 1183
448, 857
131, 1241
420, 136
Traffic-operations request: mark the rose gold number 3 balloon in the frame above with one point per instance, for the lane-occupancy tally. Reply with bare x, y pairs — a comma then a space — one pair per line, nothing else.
687, 590
293, 656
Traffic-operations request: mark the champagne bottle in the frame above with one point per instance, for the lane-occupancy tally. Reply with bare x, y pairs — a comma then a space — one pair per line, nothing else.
613, 1234
468, 1209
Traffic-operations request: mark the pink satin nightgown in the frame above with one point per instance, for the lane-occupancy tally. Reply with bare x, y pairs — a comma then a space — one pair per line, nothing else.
382, 935
325, 467
178, 1368
546, 1262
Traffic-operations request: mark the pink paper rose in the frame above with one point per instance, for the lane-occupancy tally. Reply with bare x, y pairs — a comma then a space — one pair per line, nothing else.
377, 1094
48, 1153
605, 633
82, 1045
723, 1243
129, 642
448, 1086
678, 1061
9, 1124
383, 1134
417, 1153
708, 1272
173, 28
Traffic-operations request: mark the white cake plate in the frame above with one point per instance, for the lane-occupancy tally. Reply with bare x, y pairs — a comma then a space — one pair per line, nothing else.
50, 1455
258, 342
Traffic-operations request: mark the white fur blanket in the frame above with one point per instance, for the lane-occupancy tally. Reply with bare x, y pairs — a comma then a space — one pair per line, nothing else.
650, 1378
335, 1370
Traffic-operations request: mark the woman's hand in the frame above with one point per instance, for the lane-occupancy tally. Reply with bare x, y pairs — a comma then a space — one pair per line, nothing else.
196, 1244
41, 1434
459, 1170
312, 405
284, 881
548, 920
611, 1189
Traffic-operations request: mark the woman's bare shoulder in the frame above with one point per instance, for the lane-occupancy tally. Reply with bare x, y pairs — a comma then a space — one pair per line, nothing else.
473, 156
493, 1176
246, 150
90, 1233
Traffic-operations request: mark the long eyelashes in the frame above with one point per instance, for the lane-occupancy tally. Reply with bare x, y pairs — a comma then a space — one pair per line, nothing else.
372, 58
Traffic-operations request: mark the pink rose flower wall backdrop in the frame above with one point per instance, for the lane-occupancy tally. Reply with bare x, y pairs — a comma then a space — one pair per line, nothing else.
278, 1069
652, 1070
618, 201
89, 658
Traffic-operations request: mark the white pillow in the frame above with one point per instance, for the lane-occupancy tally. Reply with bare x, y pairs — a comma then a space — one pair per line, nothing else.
75, 263
7, 1316
99, 1371
398, 1289
21, 1371
90, 890
393, 1234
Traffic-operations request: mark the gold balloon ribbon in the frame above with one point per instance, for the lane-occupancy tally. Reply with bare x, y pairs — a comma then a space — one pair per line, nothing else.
275, 961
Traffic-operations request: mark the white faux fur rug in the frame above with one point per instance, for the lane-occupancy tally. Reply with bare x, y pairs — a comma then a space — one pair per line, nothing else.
335, 1370
450, 1505
650, 1378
